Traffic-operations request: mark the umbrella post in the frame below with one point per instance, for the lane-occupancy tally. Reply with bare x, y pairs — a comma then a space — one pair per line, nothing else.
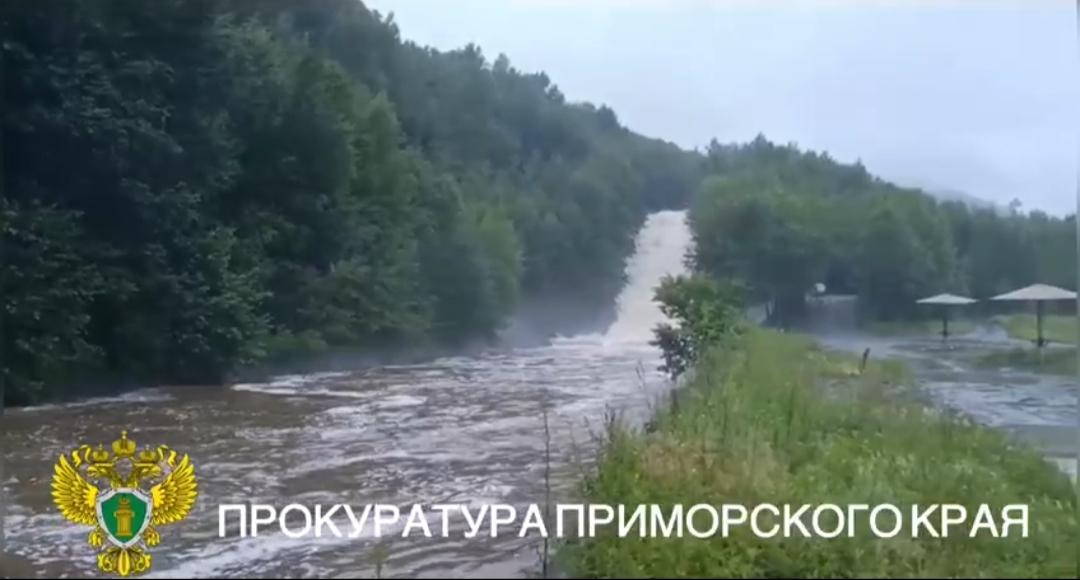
1039, 293
1039, 341
944, 324
944, 302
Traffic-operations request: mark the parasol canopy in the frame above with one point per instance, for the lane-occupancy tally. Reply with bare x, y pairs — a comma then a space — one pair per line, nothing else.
1038, 293
946, 300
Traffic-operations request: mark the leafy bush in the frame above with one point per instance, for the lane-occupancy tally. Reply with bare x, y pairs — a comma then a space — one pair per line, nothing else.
704, 312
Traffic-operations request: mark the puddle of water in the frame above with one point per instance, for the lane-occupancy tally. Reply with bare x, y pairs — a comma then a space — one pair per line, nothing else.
1038, 409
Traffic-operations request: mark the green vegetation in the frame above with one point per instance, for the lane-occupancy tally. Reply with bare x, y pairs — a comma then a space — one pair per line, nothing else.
1051, 361
783, 219
1056, 328
192, 186
772, 418
708, 314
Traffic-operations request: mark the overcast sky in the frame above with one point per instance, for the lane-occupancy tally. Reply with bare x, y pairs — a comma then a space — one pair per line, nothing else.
972, 95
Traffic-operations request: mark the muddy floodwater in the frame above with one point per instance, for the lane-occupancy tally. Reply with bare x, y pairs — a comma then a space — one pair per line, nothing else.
460, 430
1039, 409
457, 431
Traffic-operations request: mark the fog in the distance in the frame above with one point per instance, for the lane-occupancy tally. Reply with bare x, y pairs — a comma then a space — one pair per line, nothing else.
971, 96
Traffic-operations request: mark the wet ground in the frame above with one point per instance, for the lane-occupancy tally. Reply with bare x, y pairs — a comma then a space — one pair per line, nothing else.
1040, 409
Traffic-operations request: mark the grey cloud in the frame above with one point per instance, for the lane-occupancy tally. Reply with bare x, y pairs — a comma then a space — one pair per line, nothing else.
978, 96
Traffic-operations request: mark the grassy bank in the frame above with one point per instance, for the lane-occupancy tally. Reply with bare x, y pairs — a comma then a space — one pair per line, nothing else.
777, 420
919, 327
1056, 328
1052, 361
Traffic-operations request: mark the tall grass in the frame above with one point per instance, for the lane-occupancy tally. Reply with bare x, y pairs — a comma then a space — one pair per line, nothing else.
777, 420
1056, 327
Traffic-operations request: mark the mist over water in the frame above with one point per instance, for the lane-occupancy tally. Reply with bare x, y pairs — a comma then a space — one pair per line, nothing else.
464, 429
660, 250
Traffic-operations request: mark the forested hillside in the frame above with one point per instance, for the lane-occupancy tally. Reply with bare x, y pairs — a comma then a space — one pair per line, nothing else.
191, 186
196, 186
783, 219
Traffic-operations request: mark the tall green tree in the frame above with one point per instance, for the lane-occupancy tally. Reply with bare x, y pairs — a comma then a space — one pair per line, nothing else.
783, 219
202, 185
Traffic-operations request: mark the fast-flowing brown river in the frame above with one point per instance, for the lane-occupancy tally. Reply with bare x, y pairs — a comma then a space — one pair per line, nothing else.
462, 430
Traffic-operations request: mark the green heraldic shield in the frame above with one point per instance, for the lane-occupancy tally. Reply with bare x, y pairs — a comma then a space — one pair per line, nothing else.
124, 496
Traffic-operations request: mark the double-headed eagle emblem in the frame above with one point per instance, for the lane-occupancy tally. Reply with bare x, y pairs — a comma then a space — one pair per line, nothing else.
140, 491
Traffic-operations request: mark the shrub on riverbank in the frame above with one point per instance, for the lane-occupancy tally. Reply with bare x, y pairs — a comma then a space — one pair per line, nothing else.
774, 419
705, 313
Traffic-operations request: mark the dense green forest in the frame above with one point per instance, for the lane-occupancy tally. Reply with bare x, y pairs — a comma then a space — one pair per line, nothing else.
193, 186
782, 219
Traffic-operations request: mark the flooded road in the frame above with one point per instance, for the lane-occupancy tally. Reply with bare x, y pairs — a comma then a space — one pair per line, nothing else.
1039, 409
459, 430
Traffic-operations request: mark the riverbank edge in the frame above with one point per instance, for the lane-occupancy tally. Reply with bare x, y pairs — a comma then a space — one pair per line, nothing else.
340, 360
679, 462
531, 326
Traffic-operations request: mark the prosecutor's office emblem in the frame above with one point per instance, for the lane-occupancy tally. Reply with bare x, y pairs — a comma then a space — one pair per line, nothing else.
124, 496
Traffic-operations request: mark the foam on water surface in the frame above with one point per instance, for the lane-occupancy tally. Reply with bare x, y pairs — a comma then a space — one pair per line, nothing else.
462, 429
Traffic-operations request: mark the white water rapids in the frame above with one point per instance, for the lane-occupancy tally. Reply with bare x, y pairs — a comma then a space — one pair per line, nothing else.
458, 430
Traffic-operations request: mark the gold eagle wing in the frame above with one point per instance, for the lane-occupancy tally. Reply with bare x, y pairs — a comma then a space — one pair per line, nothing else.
174, 497
73, 494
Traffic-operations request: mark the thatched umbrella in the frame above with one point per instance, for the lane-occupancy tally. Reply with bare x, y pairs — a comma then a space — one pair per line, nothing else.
945, 301
1038, 293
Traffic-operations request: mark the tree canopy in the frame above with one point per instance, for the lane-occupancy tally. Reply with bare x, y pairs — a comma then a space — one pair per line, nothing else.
784, 219
191, 186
